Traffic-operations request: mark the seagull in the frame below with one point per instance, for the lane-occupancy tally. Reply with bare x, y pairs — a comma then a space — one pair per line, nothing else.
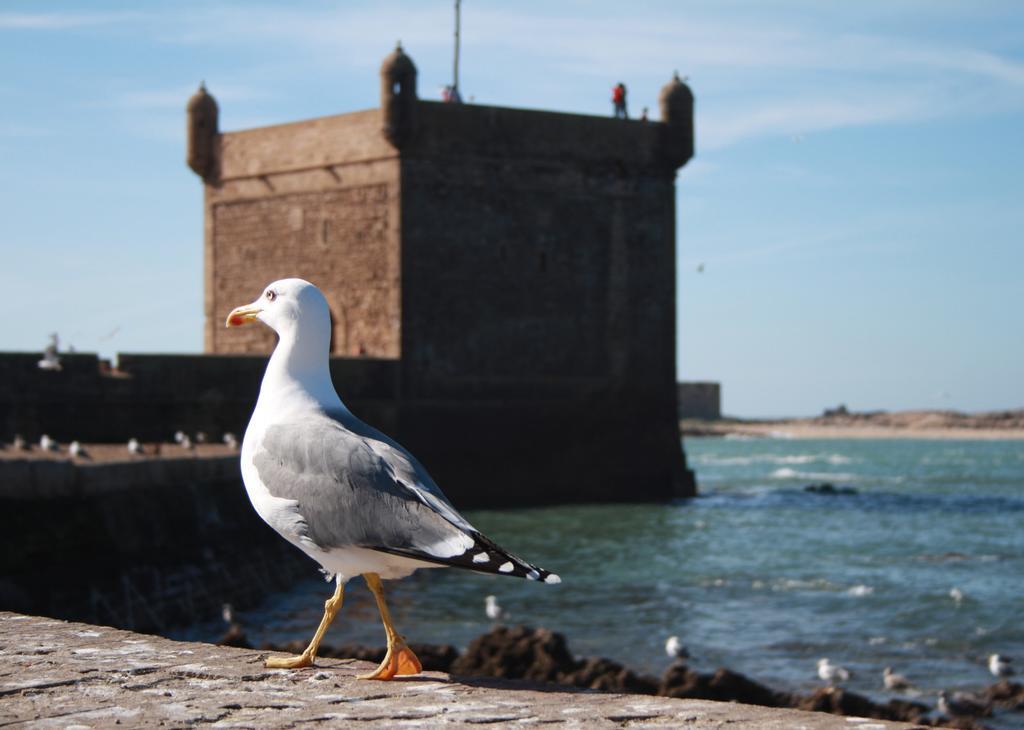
179, 436
77, 450
339, 490
135, 447
19, 443
831, 673
493, 609
231, 441
960, 703
893, 681
48, 444
674, 648
186, 443
1000, 666
956, 594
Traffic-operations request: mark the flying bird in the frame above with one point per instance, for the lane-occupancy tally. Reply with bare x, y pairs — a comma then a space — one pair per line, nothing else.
832, 673
341, 491
1000, 666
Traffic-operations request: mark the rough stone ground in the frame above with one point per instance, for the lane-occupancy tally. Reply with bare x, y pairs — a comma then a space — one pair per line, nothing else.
69, 675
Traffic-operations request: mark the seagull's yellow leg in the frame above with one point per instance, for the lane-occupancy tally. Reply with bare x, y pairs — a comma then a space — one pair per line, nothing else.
331, 607
400, 659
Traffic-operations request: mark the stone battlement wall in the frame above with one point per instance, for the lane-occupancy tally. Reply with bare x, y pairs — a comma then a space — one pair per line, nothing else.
149, 397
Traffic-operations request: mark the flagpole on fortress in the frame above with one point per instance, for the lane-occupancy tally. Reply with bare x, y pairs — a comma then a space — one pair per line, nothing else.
455, 83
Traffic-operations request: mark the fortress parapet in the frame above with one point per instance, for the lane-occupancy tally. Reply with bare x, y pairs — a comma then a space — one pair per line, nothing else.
202, 134
676, 106
398, 97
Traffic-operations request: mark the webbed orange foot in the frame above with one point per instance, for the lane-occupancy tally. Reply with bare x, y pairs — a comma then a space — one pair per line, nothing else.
399, 661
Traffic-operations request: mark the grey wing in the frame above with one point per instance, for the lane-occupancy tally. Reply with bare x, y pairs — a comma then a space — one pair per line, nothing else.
352, 489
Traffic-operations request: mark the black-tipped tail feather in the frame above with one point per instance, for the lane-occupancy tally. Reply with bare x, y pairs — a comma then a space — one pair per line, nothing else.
483, 557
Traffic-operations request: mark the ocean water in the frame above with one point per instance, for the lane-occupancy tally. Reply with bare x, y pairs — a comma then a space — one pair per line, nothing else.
755, 574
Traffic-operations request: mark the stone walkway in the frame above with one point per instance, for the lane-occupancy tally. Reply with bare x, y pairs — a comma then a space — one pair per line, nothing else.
68, 675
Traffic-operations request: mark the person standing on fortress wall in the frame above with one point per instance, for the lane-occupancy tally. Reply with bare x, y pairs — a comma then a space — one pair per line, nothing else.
619, 101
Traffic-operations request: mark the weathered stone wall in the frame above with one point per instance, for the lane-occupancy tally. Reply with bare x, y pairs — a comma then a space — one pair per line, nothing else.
60, 675
149, 397
143, 544
701, 400
558, 321
316, 200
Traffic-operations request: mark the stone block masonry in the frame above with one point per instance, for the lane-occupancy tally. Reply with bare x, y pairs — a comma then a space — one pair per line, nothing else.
57, 674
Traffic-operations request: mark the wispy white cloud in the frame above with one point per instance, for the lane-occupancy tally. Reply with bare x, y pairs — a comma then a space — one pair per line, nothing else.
61, 21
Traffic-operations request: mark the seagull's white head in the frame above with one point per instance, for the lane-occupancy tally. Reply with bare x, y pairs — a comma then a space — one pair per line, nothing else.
293, 308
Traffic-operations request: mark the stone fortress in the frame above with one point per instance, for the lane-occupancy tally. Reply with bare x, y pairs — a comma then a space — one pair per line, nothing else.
513, 271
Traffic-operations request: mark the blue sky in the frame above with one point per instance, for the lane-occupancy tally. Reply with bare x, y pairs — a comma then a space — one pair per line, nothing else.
857, 198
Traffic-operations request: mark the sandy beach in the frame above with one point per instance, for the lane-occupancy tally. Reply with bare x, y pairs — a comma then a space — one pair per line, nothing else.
1002, 425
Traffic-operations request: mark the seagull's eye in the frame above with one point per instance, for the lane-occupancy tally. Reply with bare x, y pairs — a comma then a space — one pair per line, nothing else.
271, 295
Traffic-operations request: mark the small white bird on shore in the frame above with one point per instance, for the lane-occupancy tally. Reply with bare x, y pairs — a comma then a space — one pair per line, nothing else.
492, 608
231, 441
19, 443
77, 450
893, 681
960, 703
134, 447
1001, 666
831, 673
179, 436
674, 648
186, 443
47, 444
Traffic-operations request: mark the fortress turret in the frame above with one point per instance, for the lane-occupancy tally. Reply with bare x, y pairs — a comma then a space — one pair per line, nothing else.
676, 105
398, 97
202, 134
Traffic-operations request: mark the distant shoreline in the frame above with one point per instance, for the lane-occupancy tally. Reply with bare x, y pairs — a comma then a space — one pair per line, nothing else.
938, 425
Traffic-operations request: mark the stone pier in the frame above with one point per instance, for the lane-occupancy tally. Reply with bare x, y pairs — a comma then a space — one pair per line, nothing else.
59, 674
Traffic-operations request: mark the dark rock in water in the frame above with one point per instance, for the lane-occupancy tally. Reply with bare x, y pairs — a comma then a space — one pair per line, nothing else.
604, 674
840, 701
828, 488
521, 652
235, 636
724, 685
1005, 694
517, 652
